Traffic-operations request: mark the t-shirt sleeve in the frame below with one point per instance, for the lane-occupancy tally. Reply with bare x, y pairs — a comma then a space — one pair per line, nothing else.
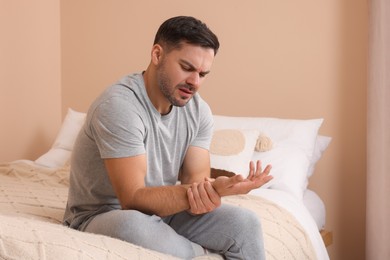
206, 124
118, 129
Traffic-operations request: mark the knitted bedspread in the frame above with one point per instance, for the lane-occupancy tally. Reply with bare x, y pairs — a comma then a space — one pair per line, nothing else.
32, 203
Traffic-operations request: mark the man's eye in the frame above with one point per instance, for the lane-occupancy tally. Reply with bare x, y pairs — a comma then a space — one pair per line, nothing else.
186, 68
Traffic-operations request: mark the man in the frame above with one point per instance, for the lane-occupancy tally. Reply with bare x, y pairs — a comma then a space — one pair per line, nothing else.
138, 136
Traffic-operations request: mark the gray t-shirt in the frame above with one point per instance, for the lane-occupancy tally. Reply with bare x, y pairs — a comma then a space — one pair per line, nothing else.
123, 122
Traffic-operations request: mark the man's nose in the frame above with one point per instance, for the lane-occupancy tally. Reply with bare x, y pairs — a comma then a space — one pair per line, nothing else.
193, 79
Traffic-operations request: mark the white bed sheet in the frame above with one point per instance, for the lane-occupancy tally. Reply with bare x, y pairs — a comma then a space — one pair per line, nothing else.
300, 212
316, 207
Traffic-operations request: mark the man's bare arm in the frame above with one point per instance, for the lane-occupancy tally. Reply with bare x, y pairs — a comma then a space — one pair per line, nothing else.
195, 171
205, 195
197, 193
127, 178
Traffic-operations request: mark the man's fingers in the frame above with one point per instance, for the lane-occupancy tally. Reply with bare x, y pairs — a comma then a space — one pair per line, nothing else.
267, 169
196, 191
202, 198
191, 201
213, 195
264, 177
258, 167
251, 170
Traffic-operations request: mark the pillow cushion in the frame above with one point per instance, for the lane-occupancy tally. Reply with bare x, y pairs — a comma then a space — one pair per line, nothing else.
293, 143
322, 142
61, 150
54, 158
70, 128
232, 149
289, 169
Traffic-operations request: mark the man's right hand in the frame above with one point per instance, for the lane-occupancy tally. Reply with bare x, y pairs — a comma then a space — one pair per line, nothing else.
202, 198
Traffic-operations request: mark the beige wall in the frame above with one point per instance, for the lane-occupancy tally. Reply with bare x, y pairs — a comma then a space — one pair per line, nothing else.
299, 59
30, 82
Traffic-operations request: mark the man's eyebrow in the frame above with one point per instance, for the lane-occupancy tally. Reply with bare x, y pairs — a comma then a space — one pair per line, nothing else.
192, 67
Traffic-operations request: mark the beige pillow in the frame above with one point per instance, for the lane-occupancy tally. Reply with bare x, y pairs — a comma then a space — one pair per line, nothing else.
231, 150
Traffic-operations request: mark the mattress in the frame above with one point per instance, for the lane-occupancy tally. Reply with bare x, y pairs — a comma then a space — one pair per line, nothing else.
33, 198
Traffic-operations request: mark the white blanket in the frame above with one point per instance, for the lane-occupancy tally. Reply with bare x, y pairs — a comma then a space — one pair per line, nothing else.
32, 202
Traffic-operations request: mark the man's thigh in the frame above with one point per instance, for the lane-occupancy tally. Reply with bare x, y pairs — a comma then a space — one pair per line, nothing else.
227, 228
143, 230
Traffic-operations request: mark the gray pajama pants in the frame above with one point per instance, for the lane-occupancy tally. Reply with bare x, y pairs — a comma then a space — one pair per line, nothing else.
230, 231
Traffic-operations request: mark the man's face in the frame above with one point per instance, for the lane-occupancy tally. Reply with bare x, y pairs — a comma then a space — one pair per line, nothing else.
181, 72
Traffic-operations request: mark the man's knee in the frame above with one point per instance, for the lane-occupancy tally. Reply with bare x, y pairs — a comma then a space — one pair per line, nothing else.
118, 223
240, 220
131, 222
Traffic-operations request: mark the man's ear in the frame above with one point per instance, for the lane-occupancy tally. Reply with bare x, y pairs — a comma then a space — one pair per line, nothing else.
157, 52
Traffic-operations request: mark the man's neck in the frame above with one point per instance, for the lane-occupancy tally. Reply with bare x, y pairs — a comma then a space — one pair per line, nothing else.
156, 97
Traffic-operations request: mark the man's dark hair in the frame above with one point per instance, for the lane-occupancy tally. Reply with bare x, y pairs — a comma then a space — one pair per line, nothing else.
176, 30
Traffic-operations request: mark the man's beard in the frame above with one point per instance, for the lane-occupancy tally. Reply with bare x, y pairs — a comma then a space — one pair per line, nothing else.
164, 84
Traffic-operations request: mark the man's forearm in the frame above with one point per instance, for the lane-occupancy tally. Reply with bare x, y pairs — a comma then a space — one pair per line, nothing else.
161, 201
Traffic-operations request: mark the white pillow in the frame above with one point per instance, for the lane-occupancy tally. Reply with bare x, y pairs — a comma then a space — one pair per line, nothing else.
231, 150
289, 169
322, 142
54, 158
61, 150
293, 148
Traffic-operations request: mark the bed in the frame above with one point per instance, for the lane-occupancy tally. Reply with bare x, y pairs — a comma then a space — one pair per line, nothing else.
33, 194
